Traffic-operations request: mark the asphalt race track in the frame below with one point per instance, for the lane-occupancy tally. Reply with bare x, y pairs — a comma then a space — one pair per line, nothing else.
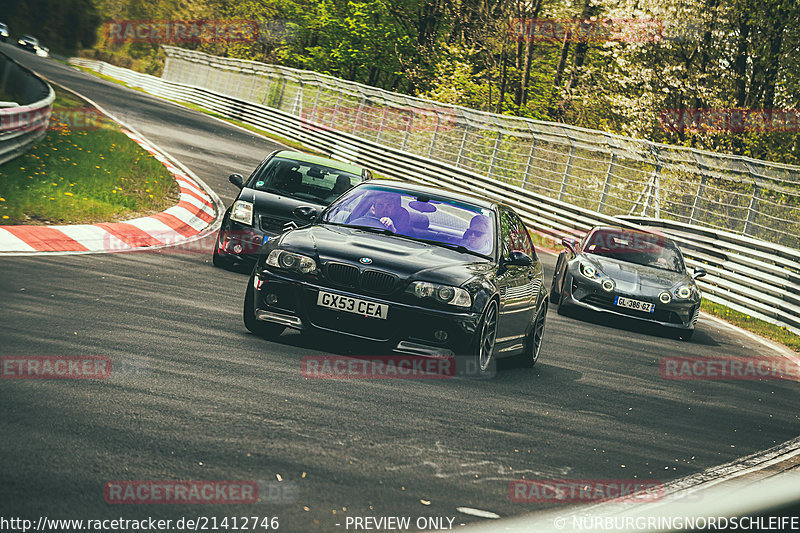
194, 396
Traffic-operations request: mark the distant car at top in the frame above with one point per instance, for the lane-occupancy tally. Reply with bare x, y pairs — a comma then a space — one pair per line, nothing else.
28, 43
265, 205
3, 32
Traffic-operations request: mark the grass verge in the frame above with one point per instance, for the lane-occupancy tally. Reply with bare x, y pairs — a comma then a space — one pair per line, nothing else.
85, 170
754, 325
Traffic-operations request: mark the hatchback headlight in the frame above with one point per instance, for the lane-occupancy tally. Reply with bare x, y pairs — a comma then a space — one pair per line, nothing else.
291, 261
242, 212
454, 296
684, 292
588, 270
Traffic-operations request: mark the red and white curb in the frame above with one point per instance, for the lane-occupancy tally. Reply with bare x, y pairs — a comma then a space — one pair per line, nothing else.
197, 213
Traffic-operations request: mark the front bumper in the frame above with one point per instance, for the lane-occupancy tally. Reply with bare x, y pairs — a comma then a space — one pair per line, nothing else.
407, 328
240, 243
680, 314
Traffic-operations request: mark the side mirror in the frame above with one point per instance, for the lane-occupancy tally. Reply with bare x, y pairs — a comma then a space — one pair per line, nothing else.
309, 214
518, 258
699, 272
569, 243
237, 180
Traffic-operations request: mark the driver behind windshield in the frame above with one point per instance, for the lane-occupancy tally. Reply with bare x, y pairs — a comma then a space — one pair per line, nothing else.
387, 211
478, 237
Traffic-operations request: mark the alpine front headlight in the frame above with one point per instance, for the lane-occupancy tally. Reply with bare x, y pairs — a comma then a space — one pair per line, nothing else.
684, 292
588, 270
291, 261
242, 212
455, 296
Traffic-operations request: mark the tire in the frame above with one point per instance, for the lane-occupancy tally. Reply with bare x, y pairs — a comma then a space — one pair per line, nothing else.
485, 338
533, 344
265, 330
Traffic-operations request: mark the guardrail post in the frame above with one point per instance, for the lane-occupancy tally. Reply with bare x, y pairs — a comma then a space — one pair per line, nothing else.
751, 209
380, 126
283, 90
408, 131
463, 144
335, 109
701, 189
529, 164
567, 170
435, 133
494, 154
606, 183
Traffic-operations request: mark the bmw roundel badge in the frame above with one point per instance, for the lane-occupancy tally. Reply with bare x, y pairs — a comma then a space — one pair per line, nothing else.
365, 261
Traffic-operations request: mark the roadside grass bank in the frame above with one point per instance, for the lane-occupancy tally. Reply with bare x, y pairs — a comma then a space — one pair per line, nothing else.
84, 171
759, 327
765, 329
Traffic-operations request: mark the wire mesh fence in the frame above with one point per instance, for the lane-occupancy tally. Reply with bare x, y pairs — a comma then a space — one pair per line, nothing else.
610, 174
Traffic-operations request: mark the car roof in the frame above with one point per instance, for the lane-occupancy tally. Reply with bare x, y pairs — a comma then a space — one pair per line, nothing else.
435, 191
319, 160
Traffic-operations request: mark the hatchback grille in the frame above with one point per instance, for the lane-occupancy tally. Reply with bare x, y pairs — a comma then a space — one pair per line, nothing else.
342, 274
272, 225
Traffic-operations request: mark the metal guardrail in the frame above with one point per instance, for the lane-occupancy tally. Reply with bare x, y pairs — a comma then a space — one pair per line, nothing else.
756, 277
610, 174
22, 125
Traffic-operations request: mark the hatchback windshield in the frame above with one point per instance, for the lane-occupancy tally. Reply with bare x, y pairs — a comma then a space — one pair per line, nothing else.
308, 181
635, 247
426, 218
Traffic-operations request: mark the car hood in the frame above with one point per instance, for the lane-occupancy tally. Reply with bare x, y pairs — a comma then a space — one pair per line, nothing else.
630, 277
403, 257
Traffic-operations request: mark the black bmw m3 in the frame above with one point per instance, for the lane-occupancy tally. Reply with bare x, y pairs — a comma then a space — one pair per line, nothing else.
416, 269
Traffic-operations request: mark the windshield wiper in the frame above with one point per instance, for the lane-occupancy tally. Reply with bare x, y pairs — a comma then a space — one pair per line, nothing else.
457, 247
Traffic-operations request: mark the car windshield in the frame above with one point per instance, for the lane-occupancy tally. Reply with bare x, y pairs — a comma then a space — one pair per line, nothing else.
30, 39
437, 220
307, 181
636, 247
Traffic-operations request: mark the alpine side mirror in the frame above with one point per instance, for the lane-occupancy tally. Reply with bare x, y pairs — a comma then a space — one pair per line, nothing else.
570, 243
307, 213
699, 272
237, 180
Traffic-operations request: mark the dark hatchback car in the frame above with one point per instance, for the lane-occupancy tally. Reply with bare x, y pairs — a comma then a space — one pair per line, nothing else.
416, 269
264, 207
631, 273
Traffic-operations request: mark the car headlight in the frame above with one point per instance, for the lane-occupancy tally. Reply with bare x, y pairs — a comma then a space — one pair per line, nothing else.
291, 261
455, 296
684, 292
242, 212
588, 270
